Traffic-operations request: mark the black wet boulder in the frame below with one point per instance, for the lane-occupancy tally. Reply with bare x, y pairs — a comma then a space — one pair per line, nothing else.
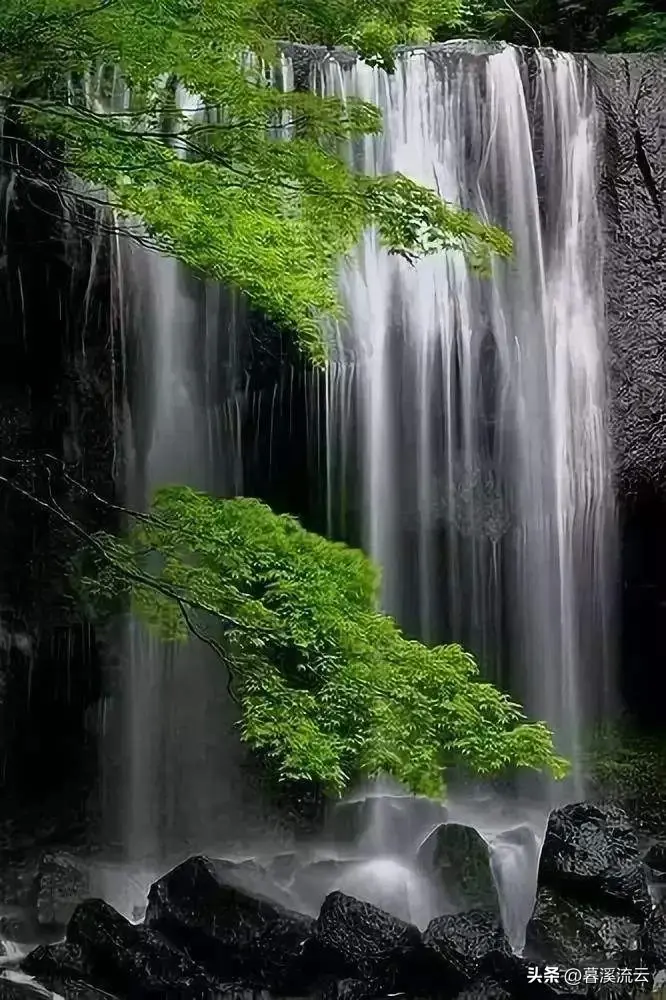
133, 961
592, 852
461, 948
202, 906
356, 940
570, 932
55, 964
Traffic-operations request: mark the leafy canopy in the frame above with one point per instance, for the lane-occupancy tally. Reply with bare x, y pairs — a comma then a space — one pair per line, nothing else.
229, 196
571, 25
329, 688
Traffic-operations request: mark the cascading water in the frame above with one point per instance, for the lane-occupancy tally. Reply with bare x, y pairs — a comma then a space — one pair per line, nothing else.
470, 410
479, 427
180, 753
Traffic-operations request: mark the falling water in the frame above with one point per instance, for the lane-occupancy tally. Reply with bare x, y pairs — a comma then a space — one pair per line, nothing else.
179, 782
478, 418
182, 786
471, 411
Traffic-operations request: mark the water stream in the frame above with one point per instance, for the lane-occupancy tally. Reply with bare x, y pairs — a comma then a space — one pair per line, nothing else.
470, 411
478, 422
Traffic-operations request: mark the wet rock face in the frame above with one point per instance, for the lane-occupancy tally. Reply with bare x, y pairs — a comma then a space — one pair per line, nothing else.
592, 905
202, 906
61, 883
458, 857
133, 960
633, 195
572, 933
468, 943
357, 940
592, 853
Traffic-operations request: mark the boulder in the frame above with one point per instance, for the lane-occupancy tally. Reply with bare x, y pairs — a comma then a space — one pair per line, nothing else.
54, 964
458, 858
655, 867
356, 940
570, 932
61, 883
652, 938
19, 987
129, 959
592, 852
347, 989
203, 907
655, 859
485, 989
462, 948
62, 968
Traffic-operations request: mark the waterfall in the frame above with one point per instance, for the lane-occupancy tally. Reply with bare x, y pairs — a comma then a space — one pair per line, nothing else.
464, 417
477, 422
180, 754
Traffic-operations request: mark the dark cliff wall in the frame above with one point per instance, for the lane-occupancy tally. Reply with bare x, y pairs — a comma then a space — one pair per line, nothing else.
55, 400
633, 189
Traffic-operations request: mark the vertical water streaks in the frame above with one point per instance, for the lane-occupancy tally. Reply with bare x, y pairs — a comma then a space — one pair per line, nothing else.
180, 772
481, 438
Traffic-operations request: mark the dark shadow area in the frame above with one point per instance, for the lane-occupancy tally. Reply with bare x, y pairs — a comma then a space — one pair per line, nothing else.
643, 652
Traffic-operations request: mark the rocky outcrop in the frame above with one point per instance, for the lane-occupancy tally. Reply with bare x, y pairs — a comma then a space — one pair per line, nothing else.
357, 940
466, 944
593, 907
632, 165
61, 883
592, 853
235, 934
211, 931
571, 932
205, 935
132, 961
458, 858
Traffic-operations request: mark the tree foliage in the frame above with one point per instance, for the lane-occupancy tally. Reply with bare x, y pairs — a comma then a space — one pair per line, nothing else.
329, 688
107, 85
571, 25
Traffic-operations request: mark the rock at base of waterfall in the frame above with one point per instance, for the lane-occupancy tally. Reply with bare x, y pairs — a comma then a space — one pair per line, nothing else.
54, 964
62, 969
61, 883
485, 989
20, 988
653, 938
459, 858
203, 906
466, 946
347, 989
356, 940
655, 867
655, 859
133, 960
569, 932
592, 852
383, 824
